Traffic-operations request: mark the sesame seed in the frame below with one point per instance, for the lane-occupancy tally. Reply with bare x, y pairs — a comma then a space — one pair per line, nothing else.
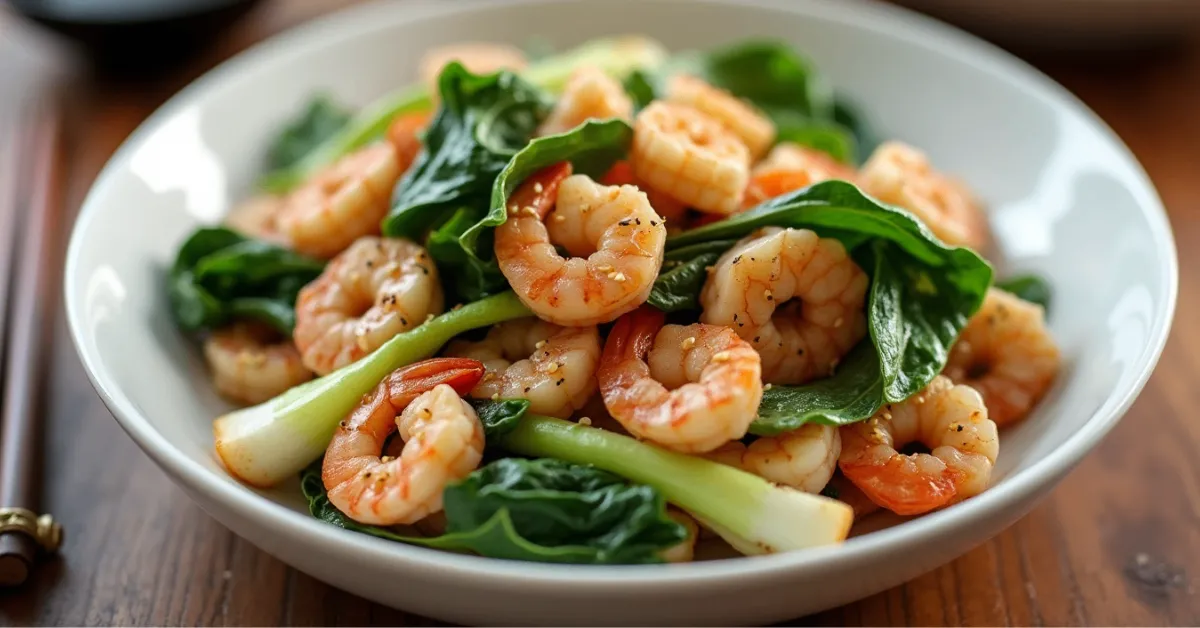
653, 223
428, 317
539, 344
838, 322
385, 459
766, 387
583, 420
722, 356
403, 321
604, 268
527, 388
920, 398
537, 188
688, 343
489, 376
495, 396
559, 218
531, 211
624, 223
553, 367
512, 208
617, 276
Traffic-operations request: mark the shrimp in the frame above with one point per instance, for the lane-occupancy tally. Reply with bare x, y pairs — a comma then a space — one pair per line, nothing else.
952, 421
742, 119
790, 167
621, 173
342, 203
688, 155
804, 458
251, 362
849, 494
476, 57
685, 550
691, 389
377, 288
589, 93
557, 373
443, 442
614, 227
901, 175
750, 285
1007, 354
404, 134
258, 218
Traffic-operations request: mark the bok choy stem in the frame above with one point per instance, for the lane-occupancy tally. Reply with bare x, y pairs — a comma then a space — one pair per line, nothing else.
265, 444
753, 515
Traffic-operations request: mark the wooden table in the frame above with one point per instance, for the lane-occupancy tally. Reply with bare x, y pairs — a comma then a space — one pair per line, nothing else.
1117, 543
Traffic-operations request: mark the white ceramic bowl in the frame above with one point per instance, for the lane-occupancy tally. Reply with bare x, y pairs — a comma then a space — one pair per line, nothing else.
1068, 201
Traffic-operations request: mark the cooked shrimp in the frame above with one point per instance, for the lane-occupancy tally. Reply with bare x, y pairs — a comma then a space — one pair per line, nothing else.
257, 218
901, 175
377, 288
744, 120
443, 442
553, 367
614, 227
846, 492
476, 57
690, 389
688, 155
790, 167
404, 134
804, 458
251, 362
763, 271
1007, 354
685, 550
670, 209
589, 93
951, 421
342, 203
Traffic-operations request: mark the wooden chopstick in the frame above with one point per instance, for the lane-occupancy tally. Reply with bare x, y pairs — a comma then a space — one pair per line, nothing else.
22, 532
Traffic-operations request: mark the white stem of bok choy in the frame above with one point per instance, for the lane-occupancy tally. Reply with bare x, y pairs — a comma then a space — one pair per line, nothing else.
267, 443
750, 513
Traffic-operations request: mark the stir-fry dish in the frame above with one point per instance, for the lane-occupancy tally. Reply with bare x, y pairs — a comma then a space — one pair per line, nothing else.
590, 306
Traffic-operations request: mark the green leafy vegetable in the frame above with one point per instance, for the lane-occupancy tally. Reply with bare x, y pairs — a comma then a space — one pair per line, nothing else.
272, 441
831, 139
773, 76
640, 87
678, 288
1031, 288
219, 275
591, 148
541, 510
499, 417
617, 56
846, 115
321, 120
483, 121
922, 293
853, 393
753, 515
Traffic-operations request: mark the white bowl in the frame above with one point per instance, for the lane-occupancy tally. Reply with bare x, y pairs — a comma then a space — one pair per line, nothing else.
1068, 201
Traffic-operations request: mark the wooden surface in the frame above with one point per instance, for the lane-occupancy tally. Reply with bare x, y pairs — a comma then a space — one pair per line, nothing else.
1118, 542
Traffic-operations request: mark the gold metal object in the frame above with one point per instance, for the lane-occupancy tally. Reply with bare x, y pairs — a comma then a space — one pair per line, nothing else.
44, 529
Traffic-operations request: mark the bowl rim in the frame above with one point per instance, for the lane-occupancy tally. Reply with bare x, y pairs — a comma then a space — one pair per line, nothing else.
913, 29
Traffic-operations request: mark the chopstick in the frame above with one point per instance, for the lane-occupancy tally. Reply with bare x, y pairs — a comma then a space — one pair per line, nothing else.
22, 532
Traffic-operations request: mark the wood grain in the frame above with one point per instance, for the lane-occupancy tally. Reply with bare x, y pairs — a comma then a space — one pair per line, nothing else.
1117, 543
